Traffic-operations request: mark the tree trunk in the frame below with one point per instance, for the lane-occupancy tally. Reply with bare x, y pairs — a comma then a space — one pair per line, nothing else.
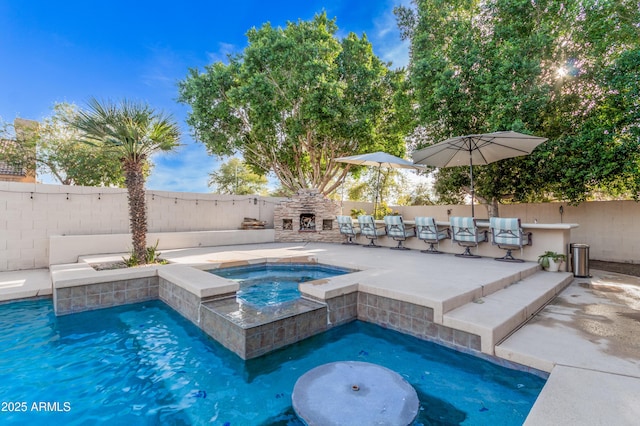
134, 180
492, 208
491, 205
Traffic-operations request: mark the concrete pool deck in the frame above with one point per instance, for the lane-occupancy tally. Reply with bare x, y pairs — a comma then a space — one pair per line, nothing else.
586, 337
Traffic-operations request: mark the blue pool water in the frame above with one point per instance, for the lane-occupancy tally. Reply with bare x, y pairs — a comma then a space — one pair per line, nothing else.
272, 284
144, 364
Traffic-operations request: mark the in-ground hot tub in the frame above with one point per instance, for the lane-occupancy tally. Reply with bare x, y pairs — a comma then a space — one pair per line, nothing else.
270, 284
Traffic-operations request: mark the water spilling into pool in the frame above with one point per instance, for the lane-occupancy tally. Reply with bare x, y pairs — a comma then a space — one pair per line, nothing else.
273, 284
145, 364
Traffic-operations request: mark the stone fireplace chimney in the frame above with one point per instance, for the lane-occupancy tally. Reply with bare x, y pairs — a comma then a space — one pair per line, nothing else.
307, 216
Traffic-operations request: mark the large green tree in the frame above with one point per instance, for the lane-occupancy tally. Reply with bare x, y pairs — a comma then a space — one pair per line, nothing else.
17, 149
564, 70
133, 131
52, 147
295, 99
235, 177
61, 153
389, 186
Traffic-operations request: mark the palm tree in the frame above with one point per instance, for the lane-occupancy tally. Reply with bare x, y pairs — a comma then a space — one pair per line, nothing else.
134, 131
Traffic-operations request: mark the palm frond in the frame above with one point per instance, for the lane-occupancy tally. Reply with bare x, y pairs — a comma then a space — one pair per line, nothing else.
134, 129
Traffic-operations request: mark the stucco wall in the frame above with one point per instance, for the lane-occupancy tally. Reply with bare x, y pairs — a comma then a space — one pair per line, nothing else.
31, 213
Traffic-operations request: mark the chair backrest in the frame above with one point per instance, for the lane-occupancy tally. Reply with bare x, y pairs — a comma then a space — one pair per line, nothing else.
367, 225
463, 229
506, 231
345, 224
395, 226
426, 228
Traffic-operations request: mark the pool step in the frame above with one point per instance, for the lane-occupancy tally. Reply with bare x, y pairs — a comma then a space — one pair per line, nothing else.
494, 316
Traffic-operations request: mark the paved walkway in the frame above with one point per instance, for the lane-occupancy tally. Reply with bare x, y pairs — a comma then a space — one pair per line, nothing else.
586, 337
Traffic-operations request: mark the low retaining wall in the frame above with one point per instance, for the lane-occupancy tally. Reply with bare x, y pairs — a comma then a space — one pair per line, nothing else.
68, 248
413, 319
347, 302
80, 298
78, 287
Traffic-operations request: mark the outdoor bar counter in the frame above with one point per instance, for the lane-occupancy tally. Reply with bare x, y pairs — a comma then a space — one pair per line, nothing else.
545, 237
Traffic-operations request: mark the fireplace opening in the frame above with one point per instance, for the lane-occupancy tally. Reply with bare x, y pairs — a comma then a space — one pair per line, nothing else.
307, 222
287, 224
327, 224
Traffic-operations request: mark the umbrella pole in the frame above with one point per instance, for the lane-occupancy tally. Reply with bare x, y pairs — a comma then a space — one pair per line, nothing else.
375, 202
471, 175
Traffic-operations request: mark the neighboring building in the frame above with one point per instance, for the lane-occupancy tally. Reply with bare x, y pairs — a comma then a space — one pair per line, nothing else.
16, 172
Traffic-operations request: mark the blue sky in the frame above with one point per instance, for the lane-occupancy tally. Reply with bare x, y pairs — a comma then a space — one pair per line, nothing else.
70, 51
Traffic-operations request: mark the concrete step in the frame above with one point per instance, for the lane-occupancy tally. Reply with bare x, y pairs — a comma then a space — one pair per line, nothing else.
496, 315
483, 283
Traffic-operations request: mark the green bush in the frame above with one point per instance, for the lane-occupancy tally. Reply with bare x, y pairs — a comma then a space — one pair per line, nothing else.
152, 253
357, 212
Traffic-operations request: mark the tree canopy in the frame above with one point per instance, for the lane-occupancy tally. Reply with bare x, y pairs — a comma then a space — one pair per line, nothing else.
568, 71
295, 99
61, 153
235, 177
53, 147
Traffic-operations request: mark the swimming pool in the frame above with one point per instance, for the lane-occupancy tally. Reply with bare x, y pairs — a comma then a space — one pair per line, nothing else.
274, 283
145, 364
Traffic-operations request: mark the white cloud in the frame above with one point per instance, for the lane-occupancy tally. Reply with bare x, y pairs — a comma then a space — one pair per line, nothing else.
162, 69
224, 49
386, 37
186, 170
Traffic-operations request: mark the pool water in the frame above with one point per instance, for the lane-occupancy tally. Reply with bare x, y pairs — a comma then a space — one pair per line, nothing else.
144, 364
272, 284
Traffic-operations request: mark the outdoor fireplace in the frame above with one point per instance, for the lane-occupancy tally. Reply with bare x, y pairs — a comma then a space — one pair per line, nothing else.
306, 216
307, 222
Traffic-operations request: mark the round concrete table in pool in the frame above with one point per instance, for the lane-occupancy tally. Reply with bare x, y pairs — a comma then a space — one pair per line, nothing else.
354, 393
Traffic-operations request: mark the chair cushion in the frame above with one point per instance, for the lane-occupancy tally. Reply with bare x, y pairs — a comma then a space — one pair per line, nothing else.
395, 227
507, 232
368, 226
463, 229
427, 230
345, 225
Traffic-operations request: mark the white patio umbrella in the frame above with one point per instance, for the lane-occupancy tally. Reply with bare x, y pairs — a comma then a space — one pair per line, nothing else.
477, 149
379, 159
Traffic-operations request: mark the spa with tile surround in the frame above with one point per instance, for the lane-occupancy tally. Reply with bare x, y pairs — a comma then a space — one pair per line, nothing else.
445, 314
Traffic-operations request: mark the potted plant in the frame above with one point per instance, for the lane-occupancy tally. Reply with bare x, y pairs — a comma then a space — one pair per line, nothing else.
551, 261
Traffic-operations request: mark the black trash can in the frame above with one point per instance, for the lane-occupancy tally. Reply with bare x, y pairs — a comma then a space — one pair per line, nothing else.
580, 260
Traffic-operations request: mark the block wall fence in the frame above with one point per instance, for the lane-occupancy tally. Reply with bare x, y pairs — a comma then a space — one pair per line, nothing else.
31, 213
